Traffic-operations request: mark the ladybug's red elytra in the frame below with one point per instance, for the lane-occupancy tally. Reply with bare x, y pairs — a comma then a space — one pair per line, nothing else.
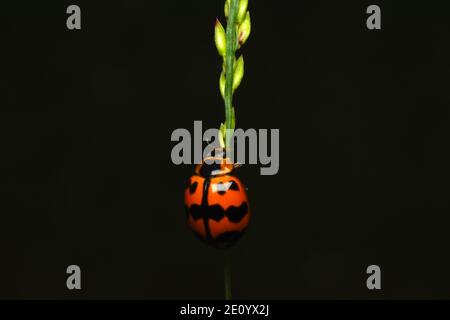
216, 203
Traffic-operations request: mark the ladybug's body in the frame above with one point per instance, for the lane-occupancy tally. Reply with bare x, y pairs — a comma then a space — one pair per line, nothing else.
217, 205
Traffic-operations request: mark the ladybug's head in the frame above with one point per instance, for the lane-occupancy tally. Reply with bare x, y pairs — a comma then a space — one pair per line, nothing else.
214, 167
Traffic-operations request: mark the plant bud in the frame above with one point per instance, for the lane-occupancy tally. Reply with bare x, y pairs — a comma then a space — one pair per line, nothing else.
244, 29
220, 38
233, 118
222, 134
227, 8
238, 72
222, 84
242, 11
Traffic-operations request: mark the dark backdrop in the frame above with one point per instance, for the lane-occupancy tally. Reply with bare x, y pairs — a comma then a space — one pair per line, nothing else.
86, 176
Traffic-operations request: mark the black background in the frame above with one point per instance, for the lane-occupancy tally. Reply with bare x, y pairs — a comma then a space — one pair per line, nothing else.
86, 176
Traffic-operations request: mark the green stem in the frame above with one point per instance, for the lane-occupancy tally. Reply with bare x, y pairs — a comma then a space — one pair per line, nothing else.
227, 275
230, 57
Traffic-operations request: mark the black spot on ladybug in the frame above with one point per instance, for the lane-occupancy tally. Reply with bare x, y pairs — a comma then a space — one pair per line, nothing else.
188, 183
193, 187
236, 214
217, 213
234, 186
198, 212
224, 187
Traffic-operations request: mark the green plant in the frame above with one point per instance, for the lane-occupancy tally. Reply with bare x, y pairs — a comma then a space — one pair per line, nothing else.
228, 42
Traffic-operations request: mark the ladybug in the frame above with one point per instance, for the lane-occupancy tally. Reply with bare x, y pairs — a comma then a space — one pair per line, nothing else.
216, 203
